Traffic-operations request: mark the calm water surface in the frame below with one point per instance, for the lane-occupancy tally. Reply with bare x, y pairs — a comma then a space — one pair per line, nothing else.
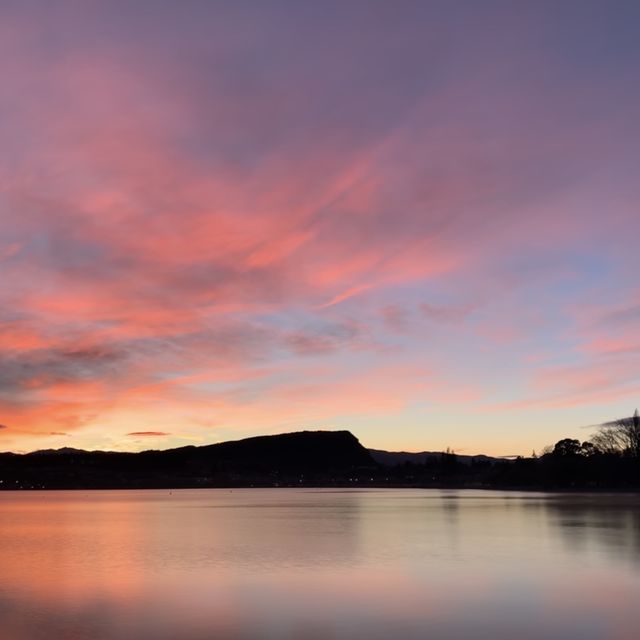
316, 564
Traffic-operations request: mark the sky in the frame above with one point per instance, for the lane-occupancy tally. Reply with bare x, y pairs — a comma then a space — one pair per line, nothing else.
417, 221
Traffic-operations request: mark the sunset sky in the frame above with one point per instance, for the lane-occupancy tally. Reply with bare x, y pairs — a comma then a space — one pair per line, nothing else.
417, 221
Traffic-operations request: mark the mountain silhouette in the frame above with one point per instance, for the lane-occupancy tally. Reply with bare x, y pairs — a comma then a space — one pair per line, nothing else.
306, 457
395, 458
313, 459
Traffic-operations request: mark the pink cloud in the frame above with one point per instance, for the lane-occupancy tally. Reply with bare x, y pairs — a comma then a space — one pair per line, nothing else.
153, 434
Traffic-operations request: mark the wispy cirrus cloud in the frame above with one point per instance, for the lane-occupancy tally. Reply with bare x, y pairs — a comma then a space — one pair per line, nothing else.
152, 434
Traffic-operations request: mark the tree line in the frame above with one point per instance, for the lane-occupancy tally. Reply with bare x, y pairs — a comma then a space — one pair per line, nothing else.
617, 438
610, 459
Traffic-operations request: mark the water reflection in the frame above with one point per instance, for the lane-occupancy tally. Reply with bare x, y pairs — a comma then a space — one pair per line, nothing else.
318, 564
597, 523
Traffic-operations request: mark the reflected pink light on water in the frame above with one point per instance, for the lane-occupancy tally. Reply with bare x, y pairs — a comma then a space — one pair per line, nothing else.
271, 563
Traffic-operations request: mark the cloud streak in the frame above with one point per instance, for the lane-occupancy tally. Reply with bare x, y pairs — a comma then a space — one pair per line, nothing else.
149, 433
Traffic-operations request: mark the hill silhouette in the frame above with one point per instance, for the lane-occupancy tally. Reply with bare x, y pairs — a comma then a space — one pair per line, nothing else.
331, 459
396, 458
306, 457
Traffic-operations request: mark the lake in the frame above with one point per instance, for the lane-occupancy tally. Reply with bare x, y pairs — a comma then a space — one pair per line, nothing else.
318, 564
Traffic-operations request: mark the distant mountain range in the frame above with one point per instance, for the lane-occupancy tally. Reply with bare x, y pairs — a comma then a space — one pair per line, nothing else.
395, 458
306, 458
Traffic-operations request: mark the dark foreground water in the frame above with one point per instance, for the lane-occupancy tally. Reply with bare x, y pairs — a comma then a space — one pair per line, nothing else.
315, 564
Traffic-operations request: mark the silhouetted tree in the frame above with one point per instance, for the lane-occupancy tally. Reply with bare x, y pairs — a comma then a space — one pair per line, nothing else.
588, 449
567, 447
619, 437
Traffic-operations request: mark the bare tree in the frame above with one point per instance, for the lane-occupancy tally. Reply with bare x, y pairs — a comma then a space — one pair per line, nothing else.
619, 436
